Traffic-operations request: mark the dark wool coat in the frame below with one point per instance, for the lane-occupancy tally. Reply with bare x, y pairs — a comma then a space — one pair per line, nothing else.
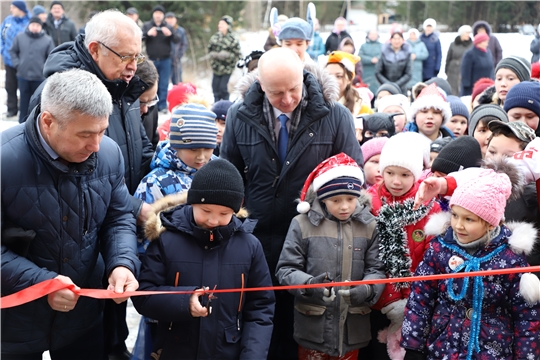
333, 41
432, 65
395, 67
453, 62
125, 125
325, 129
81, 215
440, 327
184, 258
475, 64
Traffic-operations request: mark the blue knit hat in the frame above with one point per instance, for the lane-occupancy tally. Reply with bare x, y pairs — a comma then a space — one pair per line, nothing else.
38, 9
220, 108
458, 107
526, 95
193, 127
21, 5
294, 28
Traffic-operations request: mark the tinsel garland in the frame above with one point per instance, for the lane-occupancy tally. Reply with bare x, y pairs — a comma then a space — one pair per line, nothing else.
393, 244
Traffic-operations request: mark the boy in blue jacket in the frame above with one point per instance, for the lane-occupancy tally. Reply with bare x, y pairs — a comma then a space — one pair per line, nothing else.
202, 245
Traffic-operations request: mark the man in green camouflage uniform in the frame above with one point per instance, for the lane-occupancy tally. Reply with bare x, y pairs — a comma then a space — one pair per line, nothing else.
224, 52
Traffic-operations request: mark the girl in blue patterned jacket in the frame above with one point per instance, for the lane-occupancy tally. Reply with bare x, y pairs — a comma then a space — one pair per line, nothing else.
489, 318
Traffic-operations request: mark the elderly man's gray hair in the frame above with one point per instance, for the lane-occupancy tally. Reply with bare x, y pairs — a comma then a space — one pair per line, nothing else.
105, 27
75, 90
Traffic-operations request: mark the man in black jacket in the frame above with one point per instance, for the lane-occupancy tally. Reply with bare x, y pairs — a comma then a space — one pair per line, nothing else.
113, 58
288, 122
58, 26
66, 215
158, 36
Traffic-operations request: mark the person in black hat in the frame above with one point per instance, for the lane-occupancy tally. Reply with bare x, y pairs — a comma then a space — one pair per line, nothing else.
199, 246
58, 26
159, 37
178, 49
29, 52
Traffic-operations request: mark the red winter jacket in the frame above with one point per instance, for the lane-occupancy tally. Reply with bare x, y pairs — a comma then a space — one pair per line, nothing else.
416, 247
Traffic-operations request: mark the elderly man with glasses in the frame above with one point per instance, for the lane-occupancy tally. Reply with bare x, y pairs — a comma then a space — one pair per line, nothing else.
111, 49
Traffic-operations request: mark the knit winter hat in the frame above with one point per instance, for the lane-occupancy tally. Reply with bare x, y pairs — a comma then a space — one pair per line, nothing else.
35, 19
478, 38
373, 147
220, 108
429, 22
179, 94
217, 183
461, 153
486, 195
406, 150
482, 111
430, 98
37, 10
158, 8
479, 86
337, 175
522, 131
193, 127
21, 5
458, 107
442, 84
345, 59
57, 3
526, 95
391, 87
535, 71
293, 28
439, 144
518, 65
394, 100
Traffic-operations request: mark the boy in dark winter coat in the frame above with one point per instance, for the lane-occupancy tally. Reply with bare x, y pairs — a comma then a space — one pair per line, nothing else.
202, 245
334, 238
487, 318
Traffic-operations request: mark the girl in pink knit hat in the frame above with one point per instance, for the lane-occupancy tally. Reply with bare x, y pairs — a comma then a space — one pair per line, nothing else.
493, 317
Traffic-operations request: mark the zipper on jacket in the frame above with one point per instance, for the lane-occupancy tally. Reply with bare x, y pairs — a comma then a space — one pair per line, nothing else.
175, 284
275, 181
211, 235
87, 215
240, 303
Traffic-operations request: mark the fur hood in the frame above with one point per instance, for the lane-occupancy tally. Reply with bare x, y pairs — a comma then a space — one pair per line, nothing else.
522, 241
329, 85
153, 226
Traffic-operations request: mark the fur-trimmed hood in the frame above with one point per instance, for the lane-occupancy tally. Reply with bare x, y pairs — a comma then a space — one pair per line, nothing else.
316, 213
328, 83
154, 226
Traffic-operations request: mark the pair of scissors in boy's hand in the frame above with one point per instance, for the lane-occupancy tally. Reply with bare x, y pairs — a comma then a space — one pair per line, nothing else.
211, 297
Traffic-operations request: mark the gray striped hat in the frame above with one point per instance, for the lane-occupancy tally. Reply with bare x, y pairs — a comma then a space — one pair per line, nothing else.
193, 127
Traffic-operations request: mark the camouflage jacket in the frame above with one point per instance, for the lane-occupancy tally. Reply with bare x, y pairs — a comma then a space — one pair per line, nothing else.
230, 43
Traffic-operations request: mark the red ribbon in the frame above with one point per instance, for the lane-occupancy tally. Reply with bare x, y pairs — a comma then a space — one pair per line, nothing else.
49, 286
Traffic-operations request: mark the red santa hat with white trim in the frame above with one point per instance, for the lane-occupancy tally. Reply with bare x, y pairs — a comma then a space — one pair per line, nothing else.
430, 98
337, 175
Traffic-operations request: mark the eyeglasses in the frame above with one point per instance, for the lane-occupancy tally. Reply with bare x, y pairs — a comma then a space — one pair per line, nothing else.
125, 59
151, 102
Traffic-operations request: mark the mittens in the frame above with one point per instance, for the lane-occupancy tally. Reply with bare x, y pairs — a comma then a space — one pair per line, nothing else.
356, 296
395, 312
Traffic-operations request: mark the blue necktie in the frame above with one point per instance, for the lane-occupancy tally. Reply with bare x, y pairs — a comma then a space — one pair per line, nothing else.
283, 138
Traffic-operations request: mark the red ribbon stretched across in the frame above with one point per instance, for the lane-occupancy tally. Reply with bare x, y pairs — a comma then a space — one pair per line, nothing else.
49, 286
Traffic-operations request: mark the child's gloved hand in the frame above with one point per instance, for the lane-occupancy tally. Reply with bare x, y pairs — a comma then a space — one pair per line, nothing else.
327, 294
357, 295
395, 312
195, 307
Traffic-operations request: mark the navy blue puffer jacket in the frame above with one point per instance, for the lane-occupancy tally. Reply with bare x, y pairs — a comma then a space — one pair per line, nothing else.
81, 214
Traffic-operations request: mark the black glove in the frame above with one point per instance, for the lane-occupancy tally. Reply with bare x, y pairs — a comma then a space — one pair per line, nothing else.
356, 295
327, 294
414, 355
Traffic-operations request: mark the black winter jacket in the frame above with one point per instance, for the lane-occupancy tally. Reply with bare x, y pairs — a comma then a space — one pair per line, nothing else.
395, 67
29, 52
159, 47
125, 125
475, 64
81, 216
184, 258
271, 188
67, 31
333, 41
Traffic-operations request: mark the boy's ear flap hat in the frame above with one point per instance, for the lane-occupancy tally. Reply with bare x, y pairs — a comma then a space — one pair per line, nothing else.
337, 175
293, 28
217, 183
486, 195
430, 97
407, 150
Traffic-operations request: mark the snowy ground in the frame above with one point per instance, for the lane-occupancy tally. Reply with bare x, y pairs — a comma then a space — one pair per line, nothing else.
512, 44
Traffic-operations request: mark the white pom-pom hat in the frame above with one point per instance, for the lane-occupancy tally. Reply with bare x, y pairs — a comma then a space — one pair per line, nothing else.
430, 98
324, 175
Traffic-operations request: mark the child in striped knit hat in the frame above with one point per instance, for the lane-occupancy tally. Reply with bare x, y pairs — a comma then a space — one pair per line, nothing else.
493, 317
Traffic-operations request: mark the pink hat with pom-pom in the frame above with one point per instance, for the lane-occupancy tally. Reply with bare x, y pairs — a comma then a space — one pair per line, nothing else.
323, 180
